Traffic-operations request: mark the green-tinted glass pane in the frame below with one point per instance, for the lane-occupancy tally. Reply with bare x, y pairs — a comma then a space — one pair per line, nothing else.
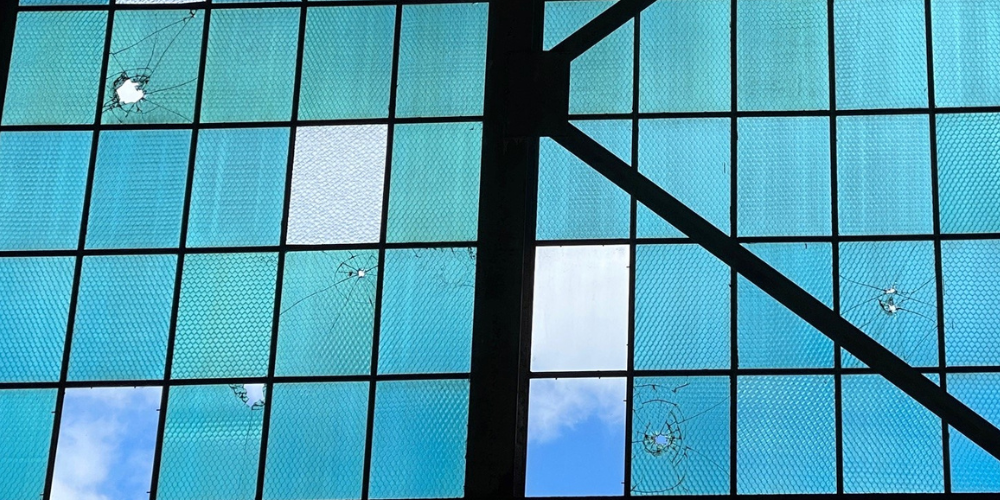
969, 172
153, 66
25, 436
434, 193
782, 55
427, 301
347, 62
318, 429
44, 177
680, 436
971, 277
139, 184
211, 444
785, 435
239, 187
973, 470
250, 65
681, 308
883, 175
966, 52
123, 317
442, 60
55, 68
684, 56
225, 316
419, 440
34, 305
327, 313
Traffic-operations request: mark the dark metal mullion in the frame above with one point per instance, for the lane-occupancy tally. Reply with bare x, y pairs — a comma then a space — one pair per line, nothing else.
377, 327
936, 214
835, 240
178, 275
600, 27
265, 432
233, 5
734, 353
633, 209
78, 270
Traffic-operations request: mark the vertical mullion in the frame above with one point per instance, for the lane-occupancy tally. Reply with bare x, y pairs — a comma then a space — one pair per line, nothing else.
394, 79
936, 214
630, 359
81, 245
178, 275
835, 241
734, 358
282, 251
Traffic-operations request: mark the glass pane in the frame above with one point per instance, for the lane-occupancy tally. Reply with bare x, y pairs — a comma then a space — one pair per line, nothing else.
316, 445
34, 306
139, 204
784, 176
442, 60
576, 437
239, 187
782, 55
123, 317
25, 435
225, 316
966, 52
347, 62
580, 312
419, 439
785, 435
211, 444
327, 313
682, 306
684, 56
250, 65
427, 304
680, 436
66, 45
153, 66
337, 184
971, 277
972, 469
44, 177
434, 193
107, 438
969, 172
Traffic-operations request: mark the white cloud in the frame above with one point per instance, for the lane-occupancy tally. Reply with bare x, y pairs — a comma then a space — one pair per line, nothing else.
560, 404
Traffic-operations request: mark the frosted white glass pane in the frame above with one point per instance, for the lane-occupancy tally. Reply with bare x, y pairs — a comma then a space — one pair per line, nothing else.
337, 183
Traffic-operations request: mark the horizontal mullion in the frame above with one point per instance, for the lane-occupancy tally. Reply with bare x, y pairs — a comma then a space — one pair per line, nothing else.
229, 250
240, 125
233, 5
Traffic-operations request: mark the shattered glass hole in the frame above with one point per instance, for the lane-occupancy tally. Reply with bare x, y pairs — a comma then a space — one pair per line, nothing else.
251, 395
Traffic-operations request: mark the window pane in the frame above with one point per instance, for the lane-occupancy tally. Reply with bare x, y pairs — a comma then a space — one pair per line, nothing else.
966, 53
969, 172
25, 435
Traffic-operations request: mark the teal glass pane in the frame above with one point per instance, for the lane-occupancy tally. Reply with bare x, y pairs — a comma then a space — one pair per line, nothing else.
419, 440
427, 303
782, 55
971, 277
107, 443
327, 313
771, 336
681, 308
65, 2
225, 316
892, 444
884, 175
123, 317
347, 62
34, 307
688, 158
25, 435
969, 172
246, 1
574, 201
66, 46
434, 183
138, 194
211, 445
316, 445
784, 176
238, 193
250, 65
601, 78
44, 179
153, 66
973, 470
887, 289
785, 435
680, 436
684, 56
442, 60
881, 54
966, 52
